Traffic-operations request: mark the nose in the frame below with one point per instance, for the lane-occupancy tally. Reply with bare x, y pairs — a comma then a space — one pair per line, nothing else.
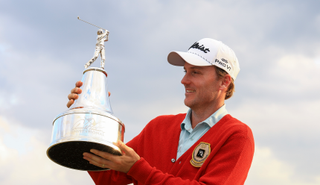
185, 79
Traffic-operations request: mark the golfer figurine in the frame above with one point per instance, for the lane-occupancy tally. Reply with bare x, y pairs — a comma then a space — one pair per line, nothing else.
101, 38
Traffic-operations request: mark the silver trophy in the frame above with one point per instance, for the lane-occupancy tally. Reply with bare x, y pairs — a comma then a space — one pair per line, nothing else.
89, 123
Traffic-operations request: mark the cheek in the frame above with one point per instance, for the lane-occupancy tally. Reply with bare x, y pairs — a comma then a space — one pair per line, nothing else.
211, 89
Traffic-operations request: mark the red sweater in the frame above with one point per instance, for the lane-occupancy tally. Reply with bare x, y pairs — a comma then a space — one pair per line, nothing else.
228, 163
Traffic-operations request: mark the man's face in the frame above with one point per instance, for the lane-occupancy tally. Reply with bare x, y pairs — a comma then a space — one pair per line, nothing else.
201, 86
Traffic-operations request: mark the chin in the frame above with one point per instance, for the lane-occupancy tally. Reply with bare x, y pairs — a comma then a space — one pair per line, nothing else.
188, 103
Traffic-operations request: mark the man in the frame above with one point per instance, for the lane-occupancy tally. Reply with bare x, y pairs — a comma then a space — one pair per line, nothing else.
101, 38
205, 146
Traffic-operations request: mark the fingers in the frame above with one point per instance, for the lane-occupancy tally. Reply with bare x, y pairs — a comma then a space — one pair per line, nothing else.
79, 84
77, 89
97, 158
94, 160
100, 159
74, 93
121, 163
124, 148
102, 154
128, 151
70, 102
73, 96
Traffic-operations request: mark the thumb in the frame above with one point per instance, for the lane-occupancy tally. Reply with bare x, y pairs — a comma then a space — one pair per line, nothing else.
123, 147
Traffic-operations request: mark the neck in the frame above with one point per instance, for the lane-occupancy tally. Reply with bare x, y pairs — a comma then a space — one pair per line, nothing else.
201, 114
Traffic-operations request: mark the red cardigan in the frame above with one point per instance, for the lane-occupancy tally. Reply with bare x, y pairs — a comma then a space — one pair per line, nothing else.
232, 148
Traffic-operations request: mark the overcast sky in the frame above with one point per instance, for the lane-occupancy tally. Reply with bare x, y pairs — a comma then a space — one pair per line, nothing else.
43, 49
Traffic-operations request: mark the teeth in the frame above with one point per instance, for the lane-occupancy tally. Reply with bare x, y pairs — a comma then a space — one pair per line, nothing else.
190, 91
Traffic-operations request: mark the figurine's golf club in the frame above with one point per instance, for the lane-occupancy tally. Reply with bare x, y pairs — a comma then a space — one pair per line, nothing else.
90, 23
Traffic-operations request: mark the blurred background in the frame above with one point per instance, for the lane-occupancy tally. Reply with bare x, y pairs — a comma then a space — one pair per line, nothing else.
43, 49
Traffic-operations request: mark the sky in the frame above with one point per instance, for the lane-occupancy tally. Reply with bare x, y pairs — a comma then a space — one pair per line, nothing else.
43, 49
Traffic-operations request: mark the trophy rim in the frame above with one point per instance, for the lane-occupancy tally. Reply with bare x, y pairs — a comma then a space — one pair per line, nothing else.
95, 69
81, 110
86, 167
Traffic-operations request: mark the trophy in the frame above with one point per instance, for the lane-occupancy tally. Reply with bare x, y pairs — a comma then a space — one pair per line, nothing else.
89, 123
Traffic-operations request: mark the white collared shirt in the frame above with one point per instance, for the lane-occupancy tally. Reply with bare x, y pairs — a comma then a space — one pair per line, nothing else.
189, 136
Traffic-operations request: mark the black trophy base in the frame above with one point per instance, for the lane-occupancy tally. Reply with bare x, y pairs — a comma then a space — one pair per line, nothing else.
70, 154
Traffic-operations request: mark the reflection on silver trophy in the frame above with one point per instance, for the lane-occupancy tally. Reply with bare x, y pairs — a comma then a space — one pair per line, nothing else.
89, 123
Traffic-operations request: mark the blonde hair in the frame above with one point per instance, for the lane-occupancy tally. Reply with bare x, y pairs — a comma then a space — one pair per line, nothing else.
231, 89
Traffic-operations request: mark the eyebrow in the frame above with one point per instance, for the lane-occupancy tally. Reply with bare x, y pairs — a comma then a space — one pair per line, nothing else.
194, 67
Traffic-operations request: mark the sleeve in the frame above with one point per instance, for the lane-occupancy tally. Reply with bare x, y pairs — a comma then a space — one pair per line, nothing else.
228, 166
110, 177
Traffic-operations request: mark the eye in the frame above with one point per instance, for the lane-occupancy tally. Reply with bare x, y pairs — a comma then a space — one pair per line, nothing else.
192, 71
195, 72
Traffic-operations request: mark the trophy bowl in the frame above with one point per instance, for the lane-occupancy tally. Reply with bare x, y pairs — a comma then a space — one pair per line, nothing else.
88, 124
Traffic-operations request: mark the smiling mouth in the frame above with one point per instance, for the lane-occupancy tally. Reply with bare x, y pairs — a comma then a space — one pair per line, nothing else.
190, 91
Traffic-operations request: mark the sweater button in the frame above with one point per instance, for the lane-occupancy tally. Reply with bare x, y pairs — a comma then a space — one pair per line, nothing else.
173, 160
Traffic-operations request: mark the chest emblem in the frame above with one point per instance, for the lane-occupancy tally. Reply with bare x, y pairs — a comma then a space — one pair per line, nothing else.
200, 154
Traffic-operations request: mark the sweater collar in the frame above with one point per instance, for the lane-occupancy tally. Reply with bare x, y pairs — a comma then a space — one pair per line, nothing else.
210, 121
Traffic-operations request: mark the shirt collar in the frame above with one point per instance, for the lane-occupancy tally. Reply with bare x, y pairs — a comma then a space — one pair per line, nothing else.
210, 121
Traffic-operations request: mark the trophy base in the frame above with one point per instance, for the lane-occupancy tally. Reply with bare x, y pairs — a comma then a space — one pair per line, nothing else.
70, 154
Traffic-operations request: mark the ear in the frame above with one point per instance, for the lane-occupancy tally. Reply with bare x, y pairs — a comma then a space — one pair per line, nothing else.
225, 82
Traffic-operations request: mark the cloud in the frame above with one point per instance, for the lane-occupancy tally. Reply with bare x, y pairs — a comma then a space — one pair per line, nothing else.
23, 159
289, 78
281, 110
268, 169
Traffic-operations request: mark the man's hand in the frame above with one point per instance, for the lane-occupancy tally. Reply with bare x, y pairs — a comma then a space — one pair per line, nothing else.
118, 163
74, 93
